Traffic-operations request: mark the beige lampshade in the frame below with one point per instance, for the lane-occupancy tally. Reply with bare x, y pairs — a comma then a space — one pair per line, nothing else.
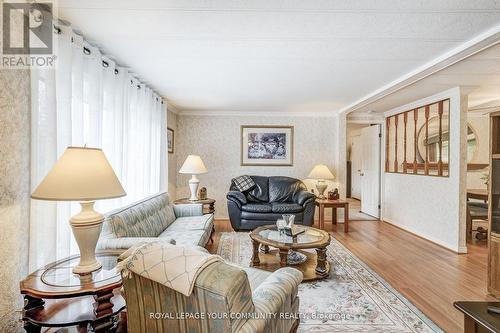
193, 165
320, 171
80, 174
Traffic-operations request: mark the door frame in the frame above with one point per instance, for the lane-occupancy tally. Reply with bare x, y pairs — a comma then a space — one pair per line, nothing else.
373, 121
353, 169
379, 174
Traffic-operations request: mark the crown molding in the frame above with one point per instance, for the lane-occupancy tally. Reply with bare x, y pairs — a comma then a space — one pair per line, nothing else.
243, 113
171, 107
477, 44
373, 118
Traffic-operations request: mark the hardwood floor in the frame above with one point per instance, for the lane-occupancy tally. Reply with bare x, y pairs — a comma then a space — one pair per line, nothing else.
430, 276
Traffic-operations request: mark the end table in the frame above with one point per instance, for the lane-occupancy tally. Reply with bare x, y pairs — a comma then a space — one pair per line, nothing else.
334, 204
55, 297
208, 204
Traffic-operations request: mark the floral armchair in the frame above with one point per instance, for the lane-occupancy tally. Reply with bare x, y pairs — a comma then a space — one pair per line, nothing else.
225, 299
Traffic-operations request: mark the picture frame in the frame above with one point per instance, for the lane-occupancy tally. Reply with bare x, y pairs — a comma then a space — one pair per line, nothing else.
170, 140
266, 145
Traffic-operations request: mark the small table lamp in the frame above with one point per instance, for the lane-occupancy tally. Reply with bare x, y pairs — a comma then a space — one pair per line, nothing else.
320, 172
193, 165
85, 175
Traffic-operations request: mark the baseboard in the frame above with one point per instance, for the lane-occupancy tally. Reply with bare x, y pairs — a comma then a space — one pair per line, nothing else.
458, 250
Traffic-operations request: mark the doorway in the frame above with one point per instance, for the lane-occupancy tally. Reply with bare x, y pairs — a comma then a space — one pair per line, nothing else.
363, 169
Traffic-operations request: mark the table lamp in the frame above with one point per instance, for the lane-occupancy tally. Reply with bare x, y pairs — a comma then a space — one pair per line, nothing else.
193, 165
321, 172
84, 175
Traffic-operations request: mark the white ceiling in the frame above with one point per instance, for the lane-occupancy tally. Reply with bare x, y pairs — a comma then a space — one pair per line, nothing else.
478, 75
292, 56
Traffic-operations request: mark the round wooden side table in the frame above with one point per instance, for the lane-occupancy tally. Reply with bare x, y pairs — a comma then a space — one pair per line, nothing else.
206, 202
55, 297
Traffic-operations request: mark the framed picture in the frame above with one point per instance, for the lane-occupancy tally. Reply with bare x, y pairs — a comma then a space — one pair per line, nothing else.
170, 140
267, 145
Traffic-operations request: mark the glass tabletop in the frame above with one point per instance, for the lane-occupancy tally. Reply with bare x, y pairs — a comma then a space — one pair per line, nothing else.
61, 275
310, 235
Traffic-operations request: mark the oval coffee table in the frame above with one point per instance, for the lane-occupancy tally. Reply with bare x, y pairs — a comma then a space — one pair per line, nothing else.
315, 267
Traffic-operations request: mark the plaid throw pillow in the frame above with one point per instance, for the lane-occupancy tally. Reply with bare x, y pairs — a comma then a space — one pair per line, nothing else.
244, 183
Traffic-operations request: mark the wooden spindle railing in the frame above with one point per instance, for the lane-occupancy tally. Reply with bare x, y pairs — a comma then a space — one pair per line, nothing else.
415, 119
396, 143
440, 139
387, 125
405, 121
421, 163
426, 168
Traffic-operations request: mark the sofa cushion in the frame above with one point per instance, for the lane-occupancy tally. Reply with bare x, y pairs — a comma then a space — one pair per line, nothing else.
146, 218
197, 237
257, 208
286, 207
192, 223
244, 183
283, 189
260, 193
270, 217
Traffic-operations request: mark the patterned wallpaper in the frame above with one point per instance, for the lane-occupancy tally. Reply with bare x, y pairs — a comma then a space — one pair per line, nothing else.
217, 140
14, 187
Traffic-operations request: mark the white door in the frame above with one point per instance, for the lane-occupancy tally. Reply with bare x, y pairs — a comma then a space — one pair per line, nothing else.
370, 170
356, 167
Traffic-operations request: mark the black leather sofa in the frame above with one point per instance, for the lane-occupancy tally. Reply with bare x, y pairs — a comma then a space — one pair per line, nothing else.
268, 200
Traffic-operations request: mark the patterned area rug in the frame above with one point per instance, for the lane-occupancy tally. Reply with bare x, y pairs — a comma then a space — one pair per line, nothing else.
353, 299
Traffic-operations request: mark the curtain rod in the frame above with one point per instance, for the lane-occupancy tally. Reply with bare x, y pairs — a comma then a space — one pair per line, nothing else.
87, 51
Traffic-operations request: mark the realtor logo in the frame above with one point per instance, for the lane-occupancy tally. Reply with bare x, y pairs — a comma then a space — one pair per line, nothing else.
27, 28
27, 35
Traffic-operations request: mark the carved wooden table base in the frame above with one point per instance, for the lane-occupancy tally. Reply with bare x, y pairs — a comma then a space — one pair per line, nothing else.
271, 255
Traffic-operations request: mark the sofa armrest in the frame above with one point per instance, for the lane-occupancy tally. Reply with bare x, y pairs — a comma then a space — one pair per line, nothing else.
124, 243
303, 197
281, 287
275, 295
237, 197
185, 210
228, 286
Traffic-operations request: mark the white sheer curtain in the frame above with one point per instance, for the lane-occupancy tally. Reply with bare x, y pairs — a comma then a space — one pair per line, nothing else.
86, 102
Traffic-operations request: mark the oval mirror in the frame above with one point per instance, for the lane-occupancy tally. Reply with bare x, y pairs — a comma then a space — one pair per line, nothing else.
433, 141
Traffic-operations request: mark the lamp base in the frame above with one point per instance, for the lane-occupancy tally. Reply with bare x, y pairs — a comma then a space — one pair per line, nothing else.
194, 182
86, 227
321, 187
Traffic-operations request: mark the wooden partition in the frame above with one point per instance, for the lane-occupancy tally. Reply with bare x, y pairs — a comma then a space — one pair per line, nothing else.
417, 140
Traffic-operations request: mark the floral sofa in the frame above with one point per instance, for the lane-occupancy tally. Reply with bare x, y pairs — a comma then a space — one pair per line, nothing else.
232, 299
156, 217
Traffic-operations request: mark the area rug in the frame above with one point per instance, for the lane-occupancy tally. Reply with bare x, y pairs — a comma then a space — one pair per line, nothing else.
352, 299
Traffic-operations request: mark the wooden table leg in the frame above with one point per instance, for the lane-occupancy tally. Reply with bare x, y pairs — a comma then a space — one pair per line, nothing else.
334, 215
31, 328
103, 308
283, 257
321, 217
255, 253
346, 217
212, 234
469, 325
321, 261
31, 303
468, 225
